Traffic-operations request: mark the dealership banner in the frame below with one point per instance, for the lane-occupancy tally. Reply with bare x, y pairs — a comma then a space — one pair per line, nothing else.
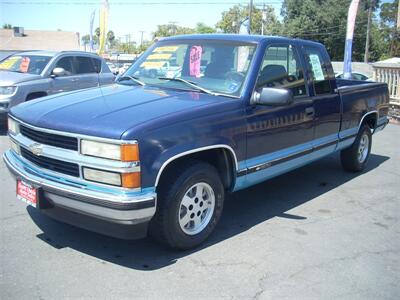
91, 30
103, 26
351, 22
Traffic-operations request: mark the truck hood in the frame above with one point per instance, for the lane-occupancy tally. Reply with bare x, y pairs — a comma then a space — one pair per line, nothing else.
8, 78
109, 111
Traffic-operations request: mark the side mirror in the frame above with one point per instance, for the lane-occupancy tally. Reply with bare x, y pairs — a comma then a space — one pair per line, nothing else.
58, 72
273, 97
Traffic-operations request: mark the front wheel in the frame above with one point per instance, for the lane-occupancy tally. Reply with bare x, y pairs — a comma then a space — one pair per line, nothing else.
189, 205
355, 158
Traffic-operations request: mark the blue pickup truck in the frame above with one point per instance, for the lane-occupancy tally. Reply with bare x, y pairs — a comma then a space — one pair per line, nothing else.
157, 154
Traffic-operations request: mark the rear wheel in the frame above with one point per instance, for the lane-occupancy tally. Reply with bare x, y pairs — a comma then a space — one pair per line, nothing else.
189, 205
355, 158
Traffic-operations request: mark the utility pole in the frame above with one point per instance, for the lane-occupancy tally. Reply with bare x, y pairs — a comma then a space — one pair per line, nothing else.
263, 19
367, 40
250, 15
141, 38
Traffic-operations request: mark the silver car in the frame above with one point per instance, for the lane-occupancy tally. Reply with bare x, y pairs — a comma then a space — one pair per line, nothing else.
29, 75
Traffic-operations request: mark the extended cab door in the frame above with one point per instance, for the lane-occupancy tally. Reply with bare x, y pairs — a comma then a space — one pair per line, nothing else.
327, 103
276, 135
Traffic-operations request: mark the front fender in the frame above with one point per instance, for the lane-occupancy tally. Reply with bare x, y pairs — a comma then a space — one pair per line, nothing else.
180, 151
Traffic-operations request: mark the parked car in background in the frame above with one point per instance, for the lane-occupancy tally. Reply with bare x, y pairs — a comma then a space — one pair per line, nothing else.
29, 75
123, 68
113, 67
354, 76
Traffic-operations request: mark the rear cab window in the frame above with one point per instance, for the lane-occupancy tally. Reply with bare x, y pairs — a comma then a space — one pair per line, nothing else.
319, 69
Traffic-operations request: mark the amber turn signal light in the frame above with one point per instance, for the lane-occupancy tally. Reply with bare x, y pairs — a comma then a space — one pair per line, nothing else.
129, 152
131, 180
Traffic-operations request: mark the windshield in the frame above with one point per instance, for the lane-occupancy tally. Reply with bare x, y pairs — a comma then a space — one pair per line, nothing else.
32, 64
214, 66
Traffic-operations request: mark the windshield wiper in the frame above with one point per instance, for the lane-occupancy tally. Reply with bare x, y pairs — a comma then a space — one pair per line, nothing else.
191, 84
133, 78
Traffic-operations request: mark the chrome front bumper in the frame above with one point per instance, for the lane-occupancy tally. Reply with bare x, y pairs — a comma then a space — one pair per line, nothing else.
119, 207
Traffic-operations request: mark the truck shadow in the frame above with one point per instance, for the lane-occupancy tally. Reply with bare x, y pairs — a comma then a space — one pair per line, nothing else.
242, 211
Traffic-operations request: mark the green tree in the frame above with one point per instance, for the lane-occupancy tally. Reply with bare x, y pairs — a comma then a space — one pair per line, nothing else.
388, 18
232, 19
325, 22
170, 30
203, 28
111, 38
129, 48
270, 21
85, 39
143, 47
7, 26
97, 34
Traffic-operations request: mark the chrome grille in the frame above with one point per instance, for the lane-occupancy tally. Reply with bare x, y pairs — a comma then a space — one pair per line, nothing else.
61, 141
51, 163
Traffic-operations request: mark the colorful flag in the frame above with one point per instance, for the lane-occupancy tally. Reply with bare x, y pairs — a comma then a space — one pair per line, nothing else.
103, 26
351, 20
91, 30
245, 26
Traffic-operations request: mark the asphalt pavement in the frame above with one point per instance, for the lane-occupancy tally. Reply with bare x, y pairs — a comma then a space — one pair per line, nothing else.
315, 233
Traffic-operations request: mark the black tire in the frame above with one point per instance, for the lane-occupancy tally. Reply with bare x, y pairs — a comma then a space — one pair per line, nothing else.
165, 226
351, 161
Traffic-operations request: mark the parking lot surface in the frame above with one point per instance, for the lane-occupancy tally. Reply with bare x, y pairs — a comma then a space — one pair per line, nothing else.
315, 233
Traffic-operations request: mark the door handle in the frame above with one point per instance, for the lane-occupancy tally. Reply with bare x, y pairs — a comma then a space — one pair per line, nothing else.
310, 111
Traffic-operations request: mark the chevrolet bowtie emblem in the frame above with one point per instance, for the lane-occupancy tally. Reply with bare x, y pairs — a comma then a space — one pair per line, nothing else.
36, 149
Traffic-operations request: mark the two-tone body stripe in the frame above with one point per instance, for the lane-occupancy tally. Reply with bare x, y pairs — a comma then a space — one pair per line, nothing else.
282, 156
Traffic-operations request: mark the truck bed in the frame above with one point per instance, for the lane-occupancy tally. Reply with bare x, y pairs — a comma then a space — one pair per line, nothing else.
359, 97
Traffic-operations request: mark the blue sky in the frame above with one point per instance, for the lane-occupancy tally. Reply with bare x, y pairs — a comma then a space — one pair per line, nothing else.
123, 19
126, 16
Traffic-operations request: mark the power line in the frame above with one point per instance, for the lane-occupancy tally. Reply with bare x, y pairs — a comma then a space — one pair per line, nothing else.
54, 3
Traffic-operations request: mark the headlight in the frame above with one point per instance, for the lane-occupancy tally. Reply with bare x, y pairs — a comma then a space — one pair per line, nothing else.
7, 90
127, 180
125, 152
102, 176
13, 126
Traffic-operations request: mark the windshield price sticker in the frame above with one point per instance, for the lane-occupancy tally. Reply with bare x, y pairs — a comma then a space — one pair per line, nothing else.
160, 56
166, 49
195, 60
316, 67
153, 64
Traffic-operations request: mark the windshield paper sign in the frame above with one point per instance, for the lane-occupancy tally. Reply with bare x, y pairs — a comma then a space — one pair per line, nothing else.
24, 66
195, 60
9, 63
